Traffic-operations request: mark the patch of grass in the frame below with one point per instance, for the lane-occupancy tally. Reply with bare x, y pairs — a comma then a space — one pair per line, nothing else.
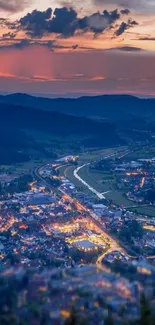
68, 173
147, 211
118, 198
102, 176
100, 181
144, 153
93, 179
97, 154
84, 174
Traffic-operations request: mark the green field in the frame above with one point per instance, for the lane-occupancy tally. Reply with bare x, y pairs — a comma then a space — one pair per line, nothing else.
68, 173
144, 153
88, 177
62, 170
95, 180
146, 211
97, 154
100, 181
118, 198
21, 168
102, 177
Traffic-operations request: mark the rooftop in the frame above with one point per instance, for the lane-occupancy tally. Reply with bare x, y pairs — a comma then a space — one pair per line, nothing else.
85, 244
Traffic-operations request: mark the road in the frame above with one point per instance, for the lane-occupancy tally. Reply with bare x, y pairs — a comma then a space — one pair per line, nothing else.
98, 194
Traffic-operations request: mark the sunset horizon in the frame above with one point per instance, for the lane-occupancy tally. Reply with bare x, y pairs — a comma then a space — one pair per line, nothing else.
97, 47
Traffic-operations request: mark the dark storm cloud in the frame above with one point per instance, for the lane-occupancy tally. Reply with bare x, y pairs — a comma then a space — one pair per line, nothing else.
65, 22
13, 5
36, 23
98, 22
125, 11
125, 26
126, 49
74, 47
9, 35
39, 23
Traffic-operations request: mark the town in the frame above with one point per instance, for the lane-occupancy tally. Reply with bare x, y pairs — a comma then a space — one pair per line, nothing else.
48, 220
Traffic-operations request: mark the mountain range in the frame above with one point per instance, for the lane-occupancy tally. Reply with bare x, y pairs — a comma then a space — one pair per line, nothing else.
27, 133
32, 127
112, 107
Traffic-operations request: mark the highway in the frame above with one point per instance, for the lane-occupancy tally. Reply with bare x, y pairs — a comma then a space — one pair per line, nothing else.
98, 194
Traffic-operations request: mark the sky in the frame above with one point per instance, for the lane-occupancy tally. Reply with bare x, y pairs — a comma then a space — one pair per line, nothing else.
73, 48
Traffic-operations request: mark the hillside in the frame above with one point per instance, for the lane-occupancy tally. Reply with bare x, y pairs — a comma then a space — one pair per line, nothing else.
111, 107
32, 127
19, 127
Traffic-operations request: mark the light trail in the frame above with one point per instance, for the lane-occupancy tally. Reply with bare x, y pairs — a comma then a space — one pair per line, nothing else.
142, 182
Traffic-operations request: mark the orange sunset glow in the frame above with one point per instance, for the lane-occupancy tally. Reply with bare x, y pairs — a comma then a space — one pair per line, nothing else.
99, 47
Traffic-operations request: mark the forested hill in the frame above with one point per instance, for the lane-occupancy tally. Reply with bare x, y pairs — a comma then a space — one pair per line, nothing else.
113, 107
17, 117
19, 127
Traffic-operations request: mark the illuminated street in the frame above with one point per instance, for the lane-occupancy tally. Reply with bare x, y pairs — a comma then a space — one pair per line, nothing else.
113, 245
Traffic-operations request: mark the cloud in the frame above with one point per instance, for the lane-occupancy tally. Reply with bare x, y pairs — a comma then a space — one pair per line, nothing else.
140, 5
36, 23
124, 26
74, 47
21, 44
39, 23
13, 5
125, 11
126, 49
65, 22
9, 35
98, 22
146, 39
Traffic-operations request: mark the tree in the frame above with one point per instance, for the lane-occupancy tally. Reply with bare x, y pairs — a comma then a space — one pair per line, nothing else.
72, 320
146, 317
125, 234
1, 189
14, 259
150, 196
110, 319
136, 229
